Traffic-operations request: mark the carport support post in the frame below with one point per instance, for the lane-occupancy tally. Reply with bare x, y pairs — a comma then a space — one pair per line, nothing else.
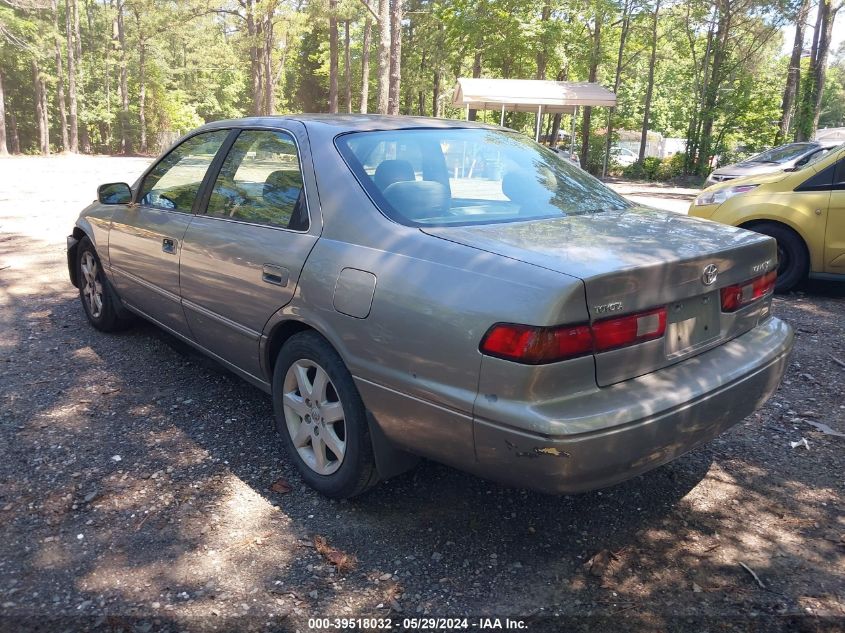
572, 135
502, 118
537, 125
607, 153
467, 112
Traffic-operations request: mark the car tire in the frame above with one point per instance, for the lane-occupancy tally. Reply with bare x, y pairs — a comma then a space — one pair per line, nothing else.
98, 298
321, 418
793, 259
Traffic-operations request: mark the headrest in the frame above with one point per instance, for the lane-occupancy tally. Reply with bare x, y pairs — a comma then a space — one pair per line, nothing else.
282, 186
418, 199
391, 171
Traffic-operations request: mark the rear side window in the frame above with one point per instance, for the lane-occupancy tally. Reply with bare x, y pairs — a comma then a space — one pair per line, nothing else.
261, 182
457, 176
175, 180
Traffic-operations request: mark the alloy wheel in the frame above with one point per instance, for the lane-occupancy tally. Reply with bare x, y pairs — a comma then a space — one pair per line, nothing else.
92, 287
314, 416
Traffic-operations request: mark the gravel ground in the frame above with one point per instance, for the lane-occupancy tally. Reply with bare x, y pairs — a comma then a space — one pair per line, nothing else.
135, 489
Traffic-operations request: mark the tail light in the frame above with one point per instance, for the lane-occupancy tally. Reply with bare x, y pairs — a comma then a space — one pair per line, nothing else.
539, 345
629, 330
740, 295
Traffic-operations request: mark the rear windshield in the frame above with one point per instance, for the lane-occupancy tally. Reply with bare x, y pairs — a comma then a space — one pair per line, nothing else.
439, 177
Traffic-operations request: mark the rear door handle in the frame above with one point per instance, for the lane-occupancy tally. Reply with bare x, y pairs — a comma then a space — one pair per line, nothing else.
276, 275
168, 245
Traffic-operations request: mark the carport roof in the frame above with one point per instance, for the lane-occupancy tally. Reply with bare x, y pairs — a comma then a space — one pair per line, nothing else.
527, 95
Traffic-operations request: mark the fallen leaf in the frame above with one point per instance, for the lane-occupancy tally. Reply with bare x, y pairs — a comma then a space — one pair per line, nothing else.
602, 563
280, 486
342, 562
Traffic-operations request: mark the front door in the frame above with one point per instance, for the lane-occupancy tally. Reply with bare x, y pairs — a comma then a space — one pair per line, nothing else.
241, 259
145, 237
834, 247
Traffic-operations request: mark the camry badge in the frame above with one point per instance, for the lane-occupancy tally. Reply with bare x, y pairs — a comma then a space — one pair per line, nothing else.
711, 271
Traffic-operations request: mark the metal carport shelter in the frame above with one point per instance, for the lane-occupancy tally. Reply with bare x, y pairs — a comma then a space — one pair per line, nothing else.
539, 96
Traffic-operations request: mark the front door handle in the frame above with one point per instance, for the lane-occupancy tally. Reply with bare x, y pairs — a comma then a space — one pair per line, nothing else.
168, 245
276, 275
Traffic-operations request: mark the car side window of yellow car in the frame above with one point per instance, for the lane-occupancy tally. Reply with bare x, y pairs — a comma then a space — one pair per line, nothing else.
821, 181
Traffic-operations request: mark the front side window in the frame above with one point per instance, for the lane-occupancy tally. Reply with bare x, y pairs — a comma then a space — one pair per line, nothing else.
456, 176
175, 180
260, 182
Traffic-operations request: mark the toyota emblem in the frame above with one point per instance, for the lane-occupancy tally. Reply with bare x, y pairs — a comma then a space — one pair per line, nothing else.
711, 271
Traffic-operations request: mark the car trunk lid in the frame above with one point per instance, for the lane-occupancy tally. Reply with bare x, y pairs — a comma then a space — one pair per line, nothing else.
634, 260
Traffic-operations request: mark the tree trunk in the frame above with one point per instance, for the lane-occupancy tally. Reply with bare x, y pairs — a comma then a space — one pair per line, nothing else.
60, 73
347, 66
72, 17
125, 139
84, 139
41, 109
254, 61
420, 91
365, 65
617, 81
333, 56
14, 136
711, 92
818, 65
561, 76
269, 77
793, 76
395, 56
543, 53
4, 149
595, 55
78, 40
650, 86
435, 95
383, 55
142, 83
476, 73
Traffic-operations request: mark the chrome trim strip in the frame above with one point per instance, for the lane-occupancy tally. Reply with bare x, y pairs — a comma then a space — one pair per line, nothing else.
240, 329
146, 284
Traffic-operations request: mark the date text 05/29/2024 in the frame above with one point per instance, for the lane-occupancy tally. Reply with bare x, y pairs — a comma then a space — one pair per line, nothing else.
418, 624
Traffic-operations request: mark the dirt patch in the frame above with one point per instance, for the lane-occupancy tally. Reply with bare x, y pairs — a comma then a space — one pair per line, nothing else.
135, 489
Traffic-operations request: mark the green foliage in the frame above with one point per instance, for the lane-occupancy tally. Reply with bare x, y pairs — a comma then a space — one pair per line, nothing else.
652, 168
193, 61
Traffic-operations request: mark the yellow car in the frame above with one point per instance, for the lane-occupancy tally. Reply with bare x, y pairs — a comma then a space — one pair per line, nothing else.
803, 210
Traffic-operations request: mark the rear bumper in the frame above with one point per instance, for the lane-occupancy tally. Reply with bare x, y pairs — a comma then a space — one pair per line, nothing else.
603, 437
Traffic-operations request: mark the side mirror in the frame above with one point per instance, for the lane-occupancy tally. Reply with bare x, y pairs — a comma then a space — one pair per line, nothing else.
114, 193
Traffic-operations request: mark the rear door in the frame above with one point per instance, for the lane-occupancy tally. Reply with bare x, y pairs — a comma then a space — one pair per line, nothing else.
145, 236
242, 257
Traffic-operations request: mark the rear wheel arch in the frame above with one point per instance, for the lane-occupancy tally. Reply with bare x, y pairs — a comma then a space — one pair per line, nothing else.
278, 336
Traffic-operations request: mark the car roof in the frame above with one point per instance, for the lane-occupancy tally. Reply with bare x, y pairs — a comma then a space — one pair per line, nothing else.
350, 122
